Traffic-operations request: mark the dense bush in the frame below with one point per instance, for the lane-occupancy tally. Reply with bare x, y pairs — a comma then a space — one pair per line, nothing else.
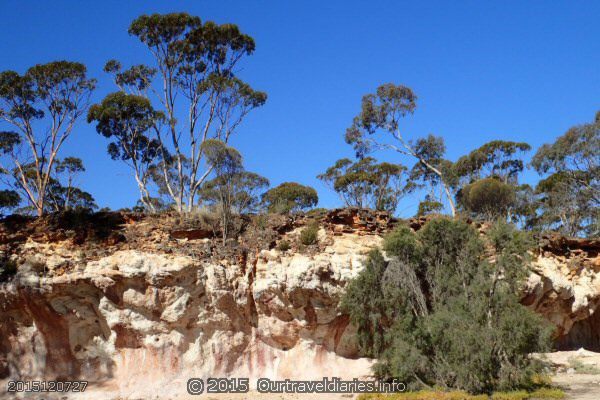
439, 312
290, 197
487, 198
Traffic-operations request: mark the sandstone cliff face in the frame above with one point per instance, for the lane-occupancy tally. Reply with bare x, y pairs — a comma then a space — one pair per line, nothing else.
142, 319
143, 322
565, 288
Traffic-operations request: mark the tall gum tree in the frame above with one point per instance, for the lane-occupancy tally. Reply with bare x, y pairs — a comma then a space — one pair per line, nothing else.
193, 82
42, 107
380, 114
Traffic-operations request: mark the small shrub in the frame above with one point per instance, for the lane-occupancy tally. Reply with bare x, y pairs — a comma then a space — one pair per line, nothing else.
582, 368
284, 245
317, 212
309, 235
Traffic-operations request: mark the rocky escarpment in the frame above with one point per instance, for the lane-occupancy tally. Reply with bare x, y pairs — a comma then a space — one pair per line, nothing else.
564, 287
141, 307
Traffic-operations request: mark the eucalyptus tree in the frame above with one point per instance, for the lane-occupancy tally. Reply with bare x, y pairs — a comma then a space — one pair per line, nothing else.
193, 82
380, 116
290, 197
569, 194
498, 158
232, 190
366, 183
63, 193
438, 182
129, 120
487, 181
42, 107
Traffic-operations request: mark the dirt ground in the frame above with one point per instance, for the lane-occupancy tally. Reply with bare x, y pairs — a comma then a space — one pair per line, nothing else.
578, 383
577, 373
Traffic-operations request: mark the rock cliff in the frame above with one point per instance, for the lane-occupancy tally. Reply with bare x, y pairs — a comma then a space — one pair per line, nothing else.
143, 305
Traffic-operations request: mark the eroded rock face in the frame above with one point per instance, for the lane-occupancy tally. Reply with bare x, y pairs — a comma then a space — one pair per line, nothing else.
565, 288
143, 317
142, 321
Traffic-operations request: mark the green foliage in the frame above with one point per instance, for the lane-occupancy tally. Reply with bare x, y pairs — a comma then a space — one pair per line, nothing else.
127, 120
9, 199
497, 158
569, 197
367, 308
284, 245
42, 105
290, 197
365, 183
225, 189
424, 395
243, 191
194, 74
487, 198
440, 313
430, 151
62, 192
381, 112
427, 207
310, 234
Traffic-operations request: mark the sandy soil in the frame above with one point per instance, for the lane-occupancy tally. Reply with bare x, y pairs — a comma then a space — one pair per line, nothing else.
576, 385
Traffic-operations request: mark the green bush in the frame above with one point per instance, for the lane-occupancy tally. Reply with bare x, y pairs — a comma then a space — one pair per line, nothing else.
284, 245
290, 197
309, 235
438, 313
487, 198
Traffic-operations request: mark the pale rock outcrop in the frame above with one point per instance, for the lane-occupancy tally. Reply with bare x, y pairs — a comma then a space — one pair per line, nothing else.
141, 321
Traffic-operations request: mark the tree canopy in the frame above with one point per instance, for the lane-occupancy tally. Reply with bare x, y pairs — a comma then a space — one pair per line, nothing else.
569, 195
380, 115
42, 106
366, 183
194, 72
290, 197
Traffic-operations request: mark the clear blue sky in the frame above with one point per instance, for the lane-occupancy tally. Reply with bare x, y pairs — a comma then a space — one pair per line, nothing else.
515, 70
